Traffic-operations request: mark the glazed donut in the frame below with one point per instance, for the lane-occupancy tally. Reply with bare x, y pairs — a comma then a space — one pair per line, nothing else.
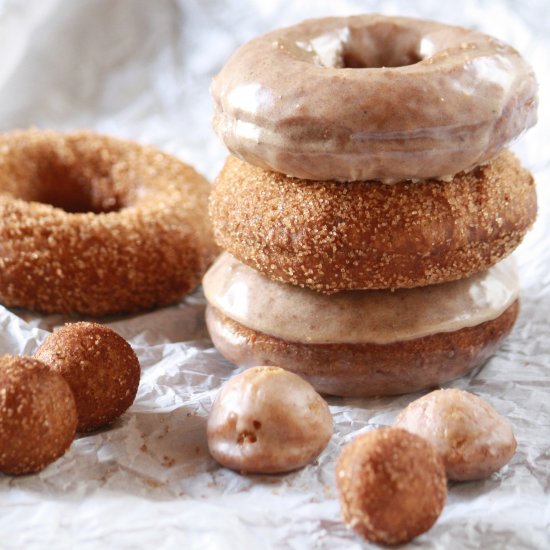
96, 225
329, 237
372, 97
360, 343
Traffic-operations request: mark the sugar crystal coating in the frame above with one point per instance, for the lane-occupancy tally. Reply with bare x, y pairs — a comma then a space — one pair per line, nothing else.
392, 485
97, 225
331, 236
99, 365
37, 415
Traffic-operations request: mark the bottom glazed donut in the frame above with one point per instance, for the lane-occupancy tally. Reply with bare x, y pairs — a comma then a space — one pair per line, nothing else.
364, 370
325, 339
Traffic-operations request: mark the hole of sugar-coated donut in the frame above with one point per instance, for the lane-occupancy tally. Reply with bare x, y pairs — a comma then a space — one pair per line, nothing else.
76, 189
73, 183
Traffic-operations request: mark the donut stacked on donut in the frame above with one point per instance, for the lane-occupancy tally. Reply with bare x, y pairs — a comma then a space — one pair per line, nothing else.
370, 202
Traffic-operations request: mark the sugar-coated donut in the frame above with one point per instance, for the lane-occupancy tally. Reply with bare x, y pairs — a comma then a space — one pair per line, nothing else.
268, 420
473, 440
372, 97
37, 415
392, 485
329, 236
99, 365
96, 225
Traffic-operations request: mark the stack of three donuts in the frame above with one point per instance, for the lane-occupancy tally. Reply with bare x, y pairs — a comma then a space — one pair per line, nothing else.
370, 212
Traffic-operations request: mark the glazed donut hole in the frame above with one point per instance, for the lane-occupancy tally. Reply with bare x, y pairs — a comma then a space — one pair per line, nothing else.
267, 420
100, 367
392, 485
37, 415
72, 177
473, 440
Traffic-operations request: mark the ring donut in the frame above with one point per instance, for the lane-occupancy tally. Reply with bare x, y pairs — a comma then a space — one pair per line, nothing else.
329, 236
360, 343
372, 97
96, 225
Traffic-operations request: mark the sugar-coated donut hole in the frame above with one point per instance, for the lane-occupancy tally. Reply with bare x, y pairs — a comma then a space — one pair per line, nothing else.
391, 484
38, 415
75, 180
100, 367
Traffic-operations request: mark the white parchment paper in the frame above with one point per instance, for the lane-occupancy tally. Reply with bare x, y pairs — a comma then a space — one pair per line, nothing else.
141, 69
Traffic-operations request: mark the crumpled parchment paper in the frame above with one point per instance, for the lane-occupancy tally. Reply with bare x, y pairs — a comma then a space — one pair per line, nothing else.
141, 70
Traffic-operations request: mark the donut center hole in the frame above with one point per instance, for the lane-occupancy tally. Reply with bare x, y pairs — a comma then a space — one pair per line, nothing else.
355, 60
77, 190
379, 45
75, 181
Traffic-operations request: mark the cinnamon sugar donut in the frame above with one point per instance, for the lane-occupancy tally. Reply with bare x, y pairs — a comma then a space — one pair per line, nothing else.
372, 97
360, 343
96, 225
329, 236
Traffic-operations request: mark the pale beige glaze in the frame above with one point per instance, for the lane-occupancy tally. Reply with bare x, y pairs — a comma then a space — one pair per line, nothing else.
297, 314
473, 440
268, 420
372, 97
364, 370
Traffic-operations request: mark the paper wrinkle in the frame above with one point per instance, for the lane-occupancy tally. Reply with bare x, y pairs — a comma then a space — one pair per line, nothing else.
143, 72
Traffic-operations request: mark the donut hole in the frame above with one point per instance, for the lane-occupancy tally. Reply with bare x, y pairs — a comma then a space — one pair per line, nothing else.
378, 45
381, 45
77, 189
72, 179
350, 60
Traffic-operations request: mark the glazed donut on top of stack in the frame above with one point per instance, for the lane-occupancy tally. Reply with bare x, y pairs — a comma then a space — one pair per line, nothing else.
370, 204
